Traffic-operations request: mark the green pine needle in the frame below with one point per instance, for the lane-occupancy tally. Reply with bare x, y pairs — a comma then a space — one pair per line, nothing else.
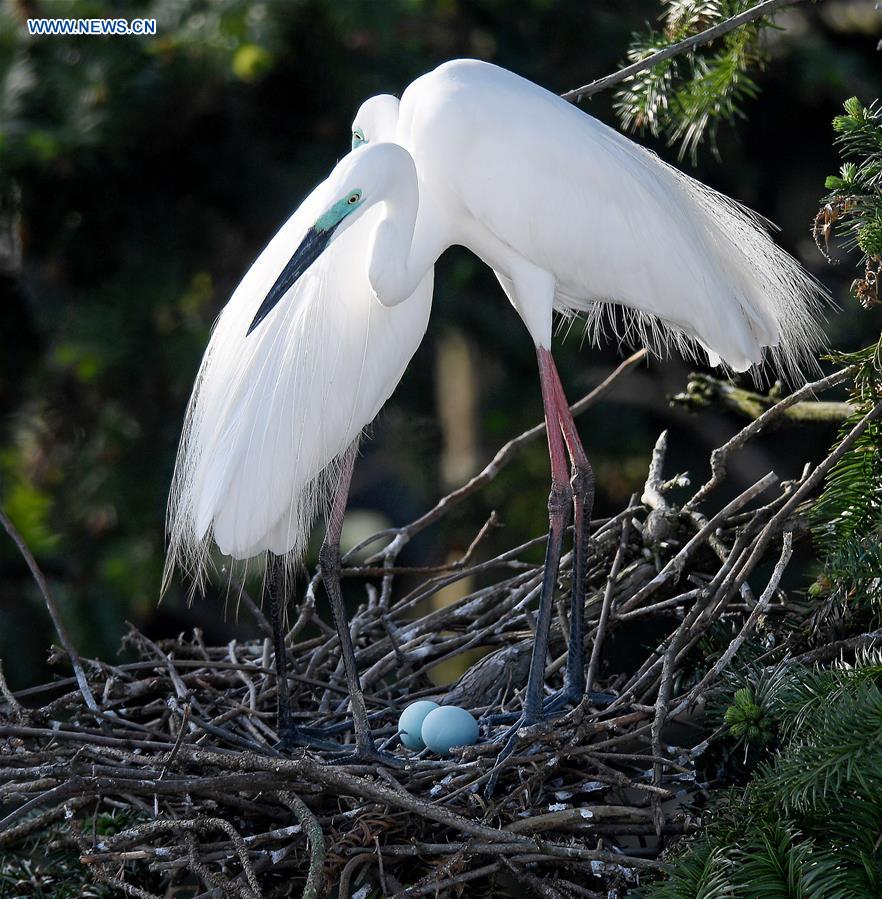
685, 99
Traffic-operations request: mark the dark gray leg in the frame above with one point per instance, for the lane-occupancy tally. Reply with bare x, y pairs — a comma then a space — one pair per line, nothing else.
558, 513
329, 566
274, 581
558, 509
290, 734
582, 482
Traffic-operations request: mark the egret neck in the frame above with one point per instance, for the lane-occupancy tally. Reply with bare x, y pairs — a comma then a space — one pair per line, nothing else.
407, 240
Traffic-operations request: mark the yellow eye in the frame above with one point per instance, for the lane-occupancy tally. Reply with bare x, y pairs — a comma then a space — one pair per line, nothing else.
353, 199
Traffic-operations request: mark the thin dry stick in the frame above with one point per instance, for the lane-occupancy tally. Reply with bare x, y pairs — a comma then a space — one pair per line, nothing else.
720, 456
594, 662
808, 486
313, 830
704, 37
15, 707
673, 570
54, 613
838, 648
496, 464
758, 610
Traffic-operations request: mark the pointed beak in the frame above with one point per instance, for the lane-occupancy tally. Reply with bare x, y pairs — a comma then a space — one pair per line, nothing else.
311, 247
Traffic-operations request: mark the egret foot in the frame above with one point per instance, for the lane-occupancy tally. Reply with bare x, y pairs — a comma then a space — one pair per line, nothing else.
349, 723
293, 737
553, 706
509, 742
370, 755
566, 699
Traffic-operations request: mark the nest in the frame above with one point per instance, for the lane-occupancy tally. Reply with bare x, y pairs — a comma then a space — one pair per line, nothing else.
159, 777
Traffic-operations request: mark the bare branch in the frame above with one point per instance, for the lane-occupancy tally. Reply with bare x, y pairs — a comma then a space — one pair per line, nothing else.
54, 612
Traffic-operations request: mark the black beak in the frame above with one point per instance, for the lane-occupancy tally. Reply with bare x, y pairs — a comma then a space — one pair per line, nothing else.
311, 247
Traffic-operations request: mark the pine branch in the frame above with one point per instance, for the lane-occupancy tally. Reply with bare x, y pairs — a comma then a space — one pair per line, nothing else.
705, 37
853, 208
847, 518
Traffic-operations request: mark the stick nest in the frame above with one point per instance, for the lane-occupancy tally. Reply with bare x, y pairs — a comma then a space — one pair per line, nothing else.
158, 777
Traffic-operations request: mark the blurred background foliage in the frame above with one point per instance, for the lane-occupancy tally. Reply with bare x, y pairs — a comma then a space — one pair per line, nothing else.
139, 177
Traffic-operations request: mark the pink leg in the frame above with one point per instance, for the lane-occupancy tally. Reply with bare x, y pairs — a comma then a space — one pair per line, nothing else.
558, 512
582, 484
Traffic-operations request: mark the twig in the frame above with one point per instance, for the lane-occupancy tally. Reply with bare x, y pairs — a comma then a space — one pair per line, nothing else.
54, 613
496, 464
705, 390
15, 707
758, 610
594, 662
832, 650
313, 830
808, 485
720, 457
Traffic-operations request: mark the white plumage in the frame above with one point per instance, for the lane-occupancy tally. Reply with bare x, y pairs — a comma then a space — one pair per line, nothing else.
272, 411
521, 176
571, 216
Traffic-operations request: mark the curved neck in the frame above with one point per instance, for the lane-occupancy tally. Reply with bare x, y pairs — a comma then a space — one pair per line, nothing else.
406, 243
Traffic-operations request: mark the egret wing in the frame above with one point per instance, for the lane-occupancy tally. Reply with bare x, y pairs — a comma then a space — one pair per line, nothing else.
611, 221
272, 412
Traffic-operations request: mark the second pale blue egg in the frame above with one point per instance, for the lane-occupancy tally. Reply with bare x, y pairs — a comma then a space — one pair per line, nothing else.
449, 726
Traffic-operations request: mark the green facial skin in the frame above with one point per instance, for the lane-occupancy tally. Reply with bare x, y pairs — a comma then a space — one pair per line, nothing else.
358, 138
339, 211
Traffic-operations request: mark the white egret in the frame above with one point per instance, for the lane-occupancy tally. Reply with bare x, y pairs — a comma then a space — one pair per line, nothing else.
273, 424
573, 216
569, 214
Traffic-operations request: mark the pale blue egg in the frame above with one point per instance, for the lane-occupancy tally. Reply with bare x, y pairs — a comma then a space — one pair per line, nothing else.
449, 726
410, 723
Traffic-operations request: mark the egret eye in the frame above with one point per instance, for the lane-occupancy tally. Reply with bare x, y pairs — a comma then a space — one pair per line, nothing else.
353, 199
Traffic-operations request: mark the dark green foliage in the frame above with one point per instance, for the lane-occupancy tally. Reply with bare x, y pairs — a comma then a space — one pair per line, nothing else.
853, 208
686, 98
39, 872
746, 718
838, 746
848, 517
701, 873
47, 865
807, 823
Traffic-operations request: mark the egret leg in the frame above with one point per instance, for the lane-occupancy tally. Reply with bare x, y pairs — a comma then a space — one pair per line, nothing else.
558, 512
329, 566
578, 486
583, 485
274, 579
290, 734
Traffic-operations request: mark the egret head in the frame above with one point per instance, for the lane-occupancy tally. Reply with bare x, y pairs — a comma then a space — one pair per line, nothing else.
375, 121
359, 181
